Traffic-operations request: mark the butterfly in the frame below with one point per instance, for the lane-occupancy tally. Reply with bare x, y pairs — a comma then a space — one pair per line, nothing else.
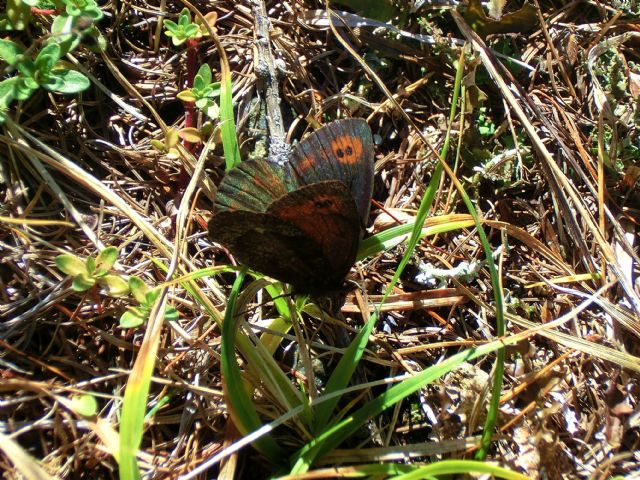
300, 222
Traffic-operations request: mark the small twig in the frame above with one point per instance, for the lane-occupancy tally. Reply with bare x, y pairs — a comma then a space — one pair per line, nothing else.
265, 70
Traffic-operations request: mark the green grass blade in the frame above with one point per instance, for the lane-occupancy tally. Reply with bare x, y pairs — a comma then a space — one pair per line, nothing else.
417, 470
347, 365
259, 357
459, 467
136, 393
349, 362
227, 119
336, 434
396, 235
343, 372
240, 403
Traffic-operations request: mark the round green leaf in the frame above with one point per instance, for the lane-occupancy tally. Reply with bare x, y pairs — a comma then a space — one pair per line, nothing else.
24, 88
178, 40
138, 289
186, 96
151, 297
114, 285
204, 72
83, 282
172, 137
10, 52
8, 91
70, 264
107, 258
69, 81
84, 405
47, 58
131, 319
158, 145
185, 17
191, 31
26, 67
190, 134
62, 25
171, 27
93, 12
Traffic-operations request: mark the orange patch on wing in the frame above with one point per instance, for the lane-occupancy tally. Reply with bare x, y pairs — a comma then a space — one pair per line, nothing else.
307, 215
320, 205
266, 180
347, 149
304, 165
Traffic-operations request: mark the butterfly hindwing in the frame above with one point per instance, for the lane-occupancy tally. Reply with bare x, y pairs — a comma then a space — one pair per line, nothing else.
274, 247
326, 212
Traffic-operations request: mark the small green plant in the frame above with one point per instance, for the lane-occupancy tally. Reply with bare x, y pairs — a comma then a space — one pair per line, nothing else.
486, 127
76, 24
184, 30
95, 271
92, 271
45, 71
41, 65
81, 8
203, 92
169, 145
146, 297
18, 13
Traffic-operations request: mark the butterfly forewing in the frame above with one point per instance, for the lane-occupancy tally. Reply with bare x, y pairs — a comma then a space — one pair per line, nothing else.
254, 185
341, 150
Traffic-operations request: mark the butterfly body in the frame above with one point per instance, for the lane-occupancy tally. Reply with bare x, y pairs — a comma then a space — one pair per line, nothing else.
300, 222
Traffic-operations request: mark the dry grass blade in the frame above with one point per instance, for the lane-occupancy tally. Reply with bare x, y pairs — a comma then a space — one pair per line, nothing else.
557, 174
26, 466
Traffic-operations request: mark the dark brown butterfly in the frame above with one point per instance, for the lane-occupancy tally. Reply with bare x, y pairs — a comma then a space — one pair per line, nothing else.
301, 222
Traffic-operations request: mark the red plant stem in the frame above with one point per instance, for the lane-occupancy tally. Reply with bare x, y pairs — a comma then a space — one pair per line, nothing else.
96, 298
43, 11
190, 107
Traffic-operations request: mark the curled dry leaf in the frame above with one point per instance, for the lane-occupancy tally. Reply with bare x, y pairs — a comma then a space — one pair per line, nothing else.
391, 217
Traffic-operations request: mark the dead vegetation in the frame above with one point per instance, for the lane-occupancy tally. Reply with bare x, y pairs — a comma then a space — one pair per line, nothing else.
545, 141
